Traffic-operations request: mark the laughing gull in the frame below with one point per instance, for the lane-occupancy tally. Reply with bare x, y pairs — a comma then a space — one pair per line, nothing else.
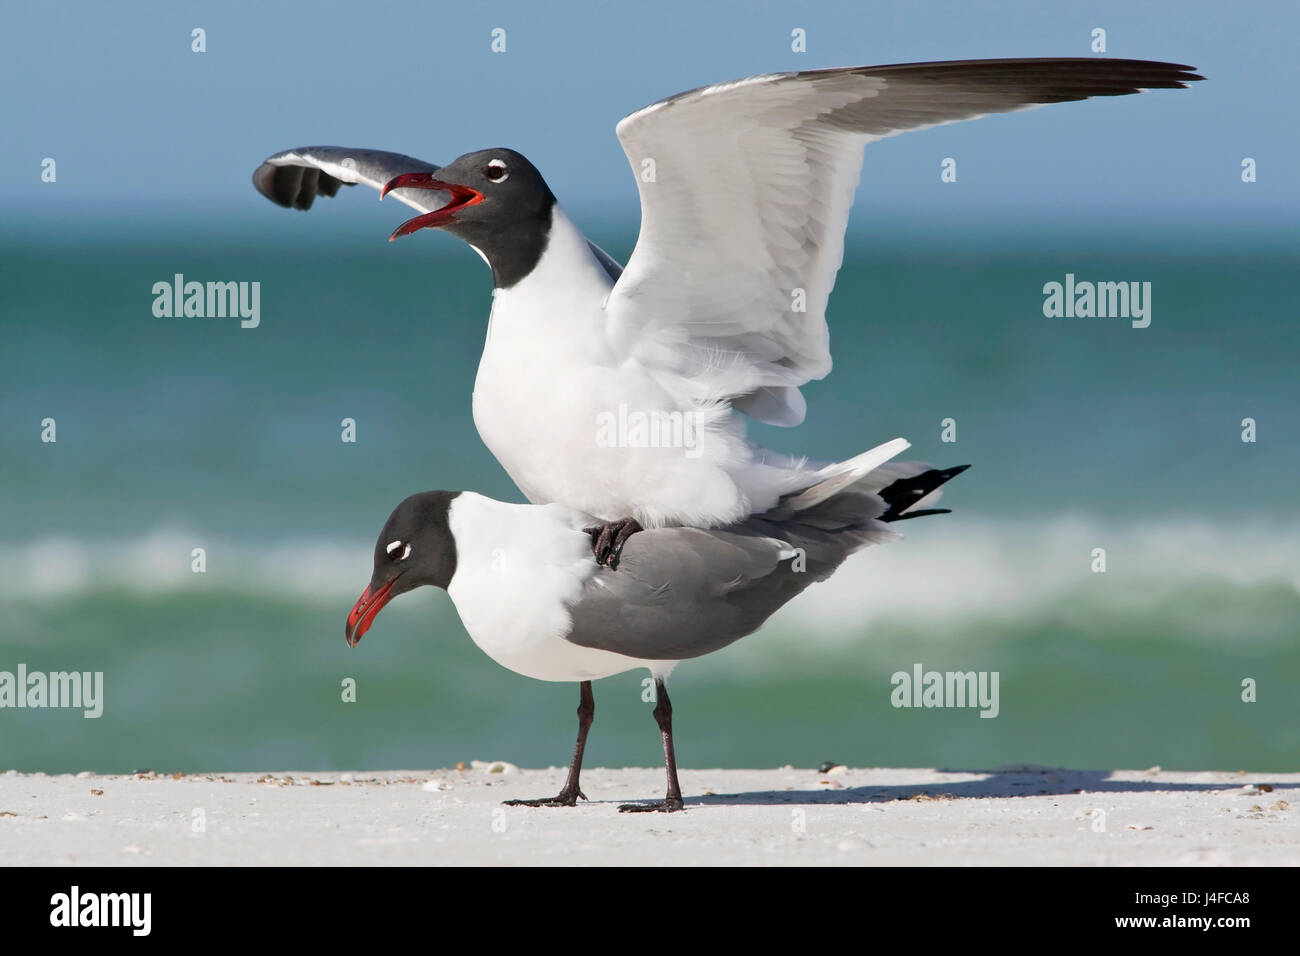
745, 192
534, 598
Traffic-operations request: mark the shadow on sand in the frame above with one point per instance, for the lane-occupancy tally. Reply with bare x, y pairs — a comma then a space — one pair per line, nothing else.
1019, 782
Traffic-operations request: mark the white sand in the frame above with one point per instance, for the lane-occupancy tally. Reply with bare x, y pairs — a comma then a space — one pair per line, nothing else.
786, 816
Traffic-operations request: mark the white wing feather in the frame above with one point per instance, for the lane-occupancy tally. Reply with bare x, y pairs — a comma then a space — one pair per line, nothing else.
745, 194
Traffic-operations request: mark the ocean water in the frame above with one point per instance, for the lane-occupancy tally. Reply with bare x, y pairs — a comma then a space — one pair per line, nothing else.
177, 433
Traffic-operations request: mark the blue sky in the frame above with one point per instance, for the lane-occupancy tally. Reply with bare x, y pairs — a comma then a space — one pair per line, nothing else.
142, 127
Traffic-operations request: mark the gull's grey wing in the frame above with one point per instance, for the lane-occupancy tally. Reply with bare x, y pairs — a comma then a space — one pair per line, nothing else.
685, 592
750, 197
295, 177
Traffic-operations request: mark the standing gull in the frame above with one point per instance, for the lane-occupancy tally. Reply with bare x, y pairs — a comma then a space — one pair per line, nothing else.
745, 193
534, 599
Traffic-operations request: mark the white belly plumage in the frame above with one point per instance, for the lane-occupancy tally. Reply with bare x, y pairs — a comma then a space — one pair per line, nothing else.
555, 659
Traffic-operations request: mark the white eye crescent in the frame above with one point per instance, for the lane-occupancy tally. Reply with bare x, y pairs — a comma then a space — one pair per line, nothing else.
392, 546
496, 171
405, 554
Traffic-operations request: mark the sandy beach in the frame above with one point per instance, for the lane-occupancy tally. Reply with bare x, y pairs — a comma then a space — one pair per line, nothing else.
1015, 815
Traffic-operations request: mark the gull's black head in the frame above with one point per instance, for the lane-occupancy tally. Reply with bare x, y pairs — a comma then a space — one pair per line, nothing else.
415, 548
499, 204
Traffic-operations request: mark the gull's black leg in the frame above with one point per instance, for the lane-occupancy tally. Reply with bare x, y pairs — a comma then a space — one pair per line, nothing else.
664, 718
568, 796
607, 540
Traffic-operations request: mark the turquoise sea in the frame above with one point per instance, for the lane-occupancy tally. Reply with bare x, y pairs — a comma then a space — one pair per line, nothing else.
177, 433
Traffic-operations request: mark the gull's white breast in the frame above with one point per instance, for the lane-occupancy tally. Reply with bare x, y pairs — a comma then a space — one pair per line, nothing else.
552, 379
518, 570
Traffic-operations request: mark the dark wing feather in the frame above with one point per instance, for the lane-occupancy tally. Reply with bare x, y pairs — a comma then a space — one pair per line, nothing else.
295, 177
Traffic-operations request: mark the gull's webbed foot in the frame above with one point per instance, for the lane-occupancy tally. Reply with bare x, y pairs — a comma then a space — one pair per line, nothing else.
667, 805
565, 798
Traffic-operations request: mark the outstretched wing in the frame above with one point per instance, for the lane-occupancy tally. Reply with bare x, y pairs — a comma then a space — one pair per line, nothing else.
295, 177
745, 194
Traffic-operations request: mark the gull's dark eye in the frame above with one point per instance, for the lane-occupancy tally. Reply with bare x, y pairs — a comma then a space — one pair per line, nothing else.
496, 171
398, 550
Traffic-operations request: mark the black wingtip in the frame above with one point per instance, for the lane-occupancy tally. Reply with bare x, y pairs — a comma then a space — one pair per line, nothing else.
294, 187
264, 183
905, 492
1049, 79
919, 514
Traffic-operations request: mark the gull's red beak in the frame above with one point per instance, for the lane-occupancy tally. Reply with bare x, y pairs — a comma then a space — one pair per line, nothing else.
364, 612
461, 196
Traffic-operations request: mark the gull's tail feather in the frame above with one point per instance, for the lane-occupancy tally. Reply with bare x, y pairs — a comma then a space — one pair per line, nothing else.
906, 493
843, 475
673, 577
869, 492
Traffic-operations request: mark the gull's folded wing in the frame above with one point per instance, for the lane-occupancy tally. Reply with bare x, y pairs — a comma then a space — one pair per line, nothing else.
684, 592
745, 194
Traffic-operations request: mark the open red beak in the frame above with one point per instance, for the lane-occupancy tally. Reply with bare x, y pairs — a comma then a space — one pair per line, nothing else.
461, 196
365, 610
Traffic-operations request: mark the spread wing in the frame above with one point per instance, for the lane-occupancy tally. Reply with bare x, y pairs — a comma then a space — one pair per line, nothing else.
295, 177
745, 193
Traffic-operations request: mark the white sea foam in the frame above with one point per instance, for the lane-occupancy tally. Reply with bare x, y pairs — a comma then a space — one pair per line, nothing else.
60, 567
959, 568
949, 569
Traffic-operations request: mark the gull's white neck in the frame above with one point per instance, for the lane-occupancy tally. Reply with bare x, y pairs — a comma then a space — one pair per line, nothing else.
563, 295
